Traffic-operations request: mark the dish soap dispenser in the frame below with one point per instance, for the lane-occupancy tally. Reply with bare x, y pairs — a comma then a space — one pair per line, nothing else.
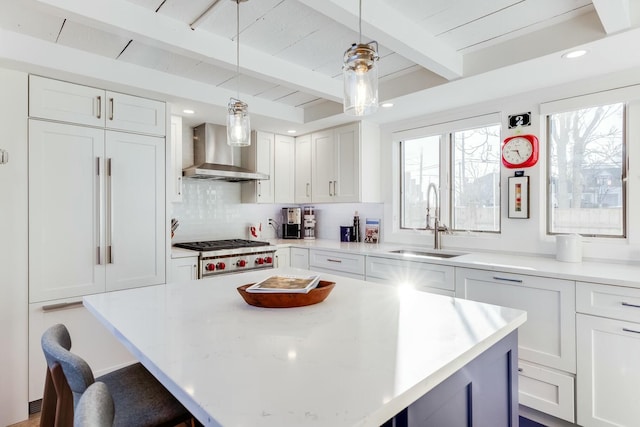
356, 227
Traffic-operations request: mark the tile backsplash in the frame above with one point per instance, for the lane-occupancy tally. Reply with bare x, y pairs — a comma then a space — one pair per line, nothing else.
213, 210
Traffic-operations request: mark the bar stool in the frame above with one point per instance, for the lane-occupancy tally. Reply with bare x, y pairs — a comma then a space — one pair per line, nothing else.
95, 407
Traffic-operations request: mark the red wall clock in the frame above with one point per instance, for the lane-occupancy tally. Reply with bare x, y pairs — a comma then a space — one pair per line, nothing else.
520, 151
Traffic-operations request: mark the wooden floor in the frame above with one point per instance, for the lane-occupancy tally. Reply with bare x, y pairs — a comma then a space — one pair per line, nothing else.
33, 421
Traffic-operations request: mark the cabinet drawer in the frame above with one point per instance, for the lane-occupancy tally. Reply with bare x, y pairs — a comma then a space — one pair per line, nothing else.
337, 261
615, 302
547, 391
416, 274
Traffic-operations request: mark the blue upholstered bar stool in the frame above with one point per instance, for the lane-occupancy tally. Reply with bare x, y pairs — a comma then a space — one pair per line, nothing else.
139, 399
95, 407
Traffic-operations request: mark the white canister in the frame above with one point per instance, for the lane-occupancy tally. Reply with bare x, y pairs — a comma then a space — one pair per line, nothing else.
569, 247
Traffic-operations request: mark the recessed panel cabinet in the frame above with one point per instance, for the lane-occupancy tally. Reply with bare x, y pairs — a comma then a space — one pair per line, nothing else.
259, 157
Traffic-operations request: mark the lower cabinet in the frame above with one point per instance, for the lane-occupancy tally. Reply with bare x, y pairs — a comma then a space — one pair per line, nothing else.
340, 263
608, 342
184, 269
90, 340
547, 348
282, 257
300, 258
422, 276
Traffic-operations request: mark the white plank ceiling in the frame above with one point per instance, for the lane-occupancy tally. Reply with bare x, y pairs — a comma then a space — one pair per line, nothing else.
291, 50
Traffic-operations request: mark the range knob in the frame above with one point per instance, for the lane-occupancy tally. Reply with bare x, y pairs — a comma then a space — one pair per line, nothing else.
268, 260
220, 266
259, 261
210, 267
241, 263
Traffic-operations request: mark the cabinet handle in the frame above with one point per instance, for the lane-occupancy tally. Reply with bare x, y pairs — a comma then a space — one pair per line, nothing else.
277, 263
520, 370
259, 188
307, 190
111, 108
628, 304
334, 260
61, 305
179, 186
109, 213
99, 224
99, 107
630, 330
330, 189
335, 193
504, 279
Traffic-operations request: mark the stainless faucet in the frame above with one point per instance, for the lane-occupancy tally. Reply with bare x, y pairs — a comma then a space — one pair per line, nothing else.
437, 227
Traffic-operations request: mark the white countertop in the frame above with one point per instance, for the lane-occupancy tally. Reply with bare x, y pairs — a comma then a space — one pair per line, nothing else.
356, 359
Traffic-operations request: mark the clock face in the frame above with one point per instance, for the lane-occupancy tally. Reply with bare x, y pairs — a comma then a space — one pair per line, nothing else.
520, 151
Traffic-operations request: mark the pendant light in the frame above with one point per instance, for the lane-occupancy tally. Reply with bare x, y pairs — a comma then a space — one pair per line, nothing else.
238, 126
360, 75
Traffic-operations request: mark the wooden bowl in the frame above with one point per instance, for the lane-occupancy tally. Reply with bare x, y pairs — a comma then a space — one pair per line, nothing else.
287, 299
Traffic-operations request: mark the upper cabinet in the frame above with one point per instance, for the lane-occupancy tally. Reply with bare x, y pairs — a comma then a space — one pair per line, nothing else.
284, 169
345, 165
302, 185
259, 157
174, 180
84, 105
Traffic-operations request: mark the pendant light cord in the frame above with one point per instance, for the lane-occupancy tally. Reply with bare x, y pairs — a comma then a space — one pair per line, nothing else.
360, 22
238, 49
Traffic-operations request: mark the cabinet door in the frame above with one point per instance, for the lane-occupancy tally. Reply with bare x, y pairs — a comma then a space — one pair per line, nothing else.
284, 169
66, 211
337, 261
135, 114
90, 340
184, 269
419, 275
303, 189
174, 180
300, 258
135, 210
323, 166
283, 257
548, 336
608, 374
347, 160
66, 102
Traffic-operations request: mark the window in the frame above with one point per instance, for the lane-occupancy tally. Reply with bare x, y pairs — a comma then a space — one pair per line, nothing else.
586, 171
476, 179
471, 158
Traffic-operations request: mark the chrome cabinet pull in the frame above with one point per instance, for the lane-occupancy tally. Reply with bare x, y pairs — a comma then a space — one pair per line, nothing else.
307, 190
61, 305
628, 304
334, 260
111, 108
109, 212
99, 211
330, 189
335, 192
504, 279
630, 330
99, 107
259, 188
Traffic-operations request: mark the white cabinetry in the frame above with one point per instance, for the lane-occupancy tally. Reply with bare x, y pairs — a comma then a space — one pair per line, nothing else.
340, 263
300, 258
282, 257
434, 278
174, 181
284, 169
546, 342
68, 102
259, 157
184, 269
608, 340
345, 164
302, 168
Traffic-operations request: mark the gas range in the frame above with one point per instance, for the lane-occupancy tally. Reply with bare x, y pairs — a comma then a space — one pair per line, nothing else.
230, 256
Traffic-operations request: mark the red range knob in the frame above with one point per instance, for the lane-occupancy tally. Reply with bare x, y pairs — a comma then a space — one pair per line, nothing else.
259, 261
210, 267
268, 260
220, 266
241, 263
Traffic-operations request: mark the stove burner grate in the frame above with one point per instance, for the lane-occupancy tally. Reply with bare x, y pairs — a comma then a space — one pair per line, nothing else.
213, 245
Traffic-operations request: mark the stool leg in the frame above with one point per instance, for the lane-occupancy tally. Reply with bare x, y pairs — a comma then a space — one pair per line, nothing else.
49, 399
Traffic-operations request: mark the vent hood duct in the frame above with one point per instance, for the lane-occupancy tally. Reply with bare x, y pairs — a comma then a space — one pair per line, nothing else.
214, 159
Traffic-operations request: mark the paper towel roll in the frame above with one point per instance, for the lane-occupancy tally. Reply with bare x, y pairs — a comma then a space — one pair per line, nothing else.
569, 247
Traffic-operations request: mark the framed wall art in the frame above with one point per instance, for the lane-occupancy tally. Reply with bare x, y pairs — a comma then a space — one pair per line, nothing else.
519, 197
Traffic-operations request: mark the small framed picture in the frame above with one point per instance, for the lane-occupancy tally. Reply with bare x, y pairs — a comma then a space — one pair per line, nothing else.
372, 230
519, 197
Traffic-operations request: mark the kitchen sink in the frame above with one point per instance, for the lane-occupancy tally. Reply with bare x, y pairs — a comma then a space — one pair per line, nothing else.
426, 254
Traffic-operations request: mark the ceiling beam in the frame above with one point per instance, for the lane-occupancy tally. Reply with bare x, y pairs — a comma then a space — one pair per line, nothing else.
37, 55
394, 31
614, 14
126, 18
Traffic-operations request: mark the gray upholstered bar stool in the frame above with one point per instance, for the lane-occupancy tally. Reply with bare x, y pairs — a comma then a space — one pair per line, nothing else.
95, 407
139, 399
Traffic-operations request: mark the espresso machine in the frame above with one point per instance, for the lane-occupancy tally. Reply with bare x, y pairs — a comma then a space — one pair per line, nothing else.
309, 221
291, 223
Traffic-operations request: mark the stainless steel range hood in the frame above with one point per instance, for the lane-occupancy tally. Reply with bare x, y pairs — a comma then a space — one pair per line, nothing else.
214, 159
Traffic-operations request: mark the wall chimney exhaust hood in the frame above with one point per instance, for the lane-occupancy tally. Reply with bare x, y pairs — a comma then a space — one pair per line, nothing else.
214, 159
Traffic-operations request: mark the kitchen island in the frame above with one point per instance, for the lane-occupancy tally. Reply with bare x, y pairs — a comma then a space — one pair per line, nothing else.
359, 358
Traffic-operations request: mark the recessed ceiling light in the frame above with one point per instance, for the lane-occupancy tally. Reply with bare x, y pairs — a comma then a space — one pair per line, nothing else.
291, 131
188, 111
387, 105
574, 54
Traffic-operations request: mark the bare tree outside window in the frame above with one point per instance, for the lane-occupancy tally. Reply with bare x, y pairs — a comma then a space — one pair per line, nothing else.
420, 166
586, 170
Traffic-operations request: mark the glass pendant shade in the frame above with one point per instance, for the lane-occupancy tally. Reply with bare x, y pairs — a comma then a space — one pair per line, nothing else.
360, 76
238, 126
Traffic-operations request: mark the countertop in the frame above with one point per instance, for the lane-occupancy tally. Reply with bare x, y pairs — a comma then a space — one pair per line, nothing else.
620, 274
356, 359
